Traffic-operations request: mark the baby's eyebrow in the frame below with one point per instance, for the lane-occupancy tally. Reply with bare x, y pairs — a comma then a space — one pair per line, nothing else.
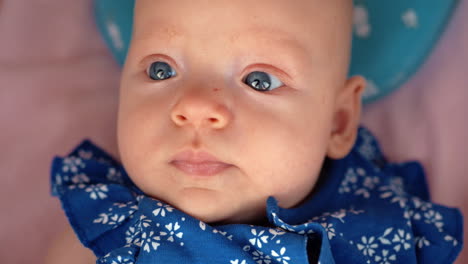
270, 34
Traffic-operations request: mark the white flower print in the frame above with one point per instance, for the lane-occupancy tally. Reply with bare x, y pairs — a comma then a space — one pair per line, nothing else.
223, 233
109, 219
144, 221
340, 215
58, 179
79, 181
162, 209
97, 191
133, 207
261, 258
237, 262
395, 191
103, 219
385, 258
276, 232
115, 219
150, 241
367, 150
408, 214
364, 192
401, 239
367, 147
433, 217
368, 246
121, 260
172, 228
281, 256
114, 175
258, 238
116, 214
421, 242
356, 212
72, 164
356, 181
131, 236
330, 230
371, 182
202, 226
85, 154
420, 207
349, 182
451, 238
383, 239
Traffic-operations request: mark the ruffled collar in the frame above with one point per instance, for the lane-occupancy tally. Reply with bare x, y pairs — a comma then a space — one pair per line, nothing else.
361, 212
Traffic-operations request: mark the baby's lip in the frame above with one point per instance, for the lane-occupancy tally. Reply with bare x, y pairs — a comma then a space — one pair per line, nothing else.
198, 163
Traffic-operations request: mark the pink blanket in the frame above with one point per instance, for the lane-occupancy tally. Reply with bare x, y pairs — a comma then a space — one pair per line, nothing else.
58, 85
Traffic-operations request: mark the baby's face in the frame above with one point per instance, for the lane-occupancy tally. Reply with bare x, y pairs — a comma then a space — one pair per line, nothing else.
260, 86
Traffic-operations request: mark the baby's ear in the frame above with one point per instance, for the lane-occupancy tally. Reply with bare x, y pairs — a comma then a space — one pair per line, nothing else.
346, 118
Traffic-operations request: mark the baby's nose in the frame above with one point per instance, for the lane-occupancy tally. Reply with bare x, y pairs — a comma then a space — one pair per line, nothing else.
201, 111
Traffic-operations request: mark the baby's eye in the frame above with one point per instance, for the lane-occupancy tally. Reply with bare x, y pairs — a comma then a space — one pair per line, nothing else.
262, 81
159, 71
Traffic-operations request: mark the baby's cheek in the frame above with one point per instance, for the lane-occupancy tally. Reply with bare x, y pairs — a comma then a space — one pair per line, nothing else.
134, 153
296, 183
292, 195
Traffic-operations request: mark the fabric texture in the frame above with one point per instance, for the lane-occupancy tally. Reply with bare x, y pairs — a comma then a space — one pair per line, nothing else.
363, 210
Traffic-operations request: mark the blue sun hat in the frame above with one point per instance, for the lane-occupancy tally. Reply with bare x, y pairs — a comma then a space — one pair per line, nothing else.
391, 38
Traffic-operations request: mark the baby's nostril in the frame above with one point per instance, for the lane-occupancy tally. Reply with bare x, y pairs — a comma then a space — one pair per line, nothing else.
213, 120
181, 118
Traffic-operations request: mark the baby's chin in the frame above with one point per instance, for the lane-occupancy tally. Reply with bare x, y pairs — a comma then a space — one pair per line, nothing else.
219, 210
209, 216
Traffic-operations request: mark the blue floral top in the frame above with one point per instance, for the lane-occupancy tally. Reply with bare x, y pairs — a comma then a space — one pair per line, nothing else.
365, 210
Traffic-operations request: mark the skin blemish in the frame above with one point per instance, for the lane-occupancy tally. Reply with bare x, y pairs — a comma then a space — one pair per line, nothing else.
215, 89
233, 38
171, 32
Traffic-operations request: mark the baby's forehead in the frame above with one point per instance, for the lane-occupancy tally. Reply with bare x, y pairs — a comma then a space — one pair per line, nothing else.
303, 17
308, 26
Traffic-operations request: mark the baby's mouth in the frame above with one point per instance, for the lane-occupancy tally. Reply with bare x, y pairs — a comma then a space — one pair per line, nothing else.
198, 163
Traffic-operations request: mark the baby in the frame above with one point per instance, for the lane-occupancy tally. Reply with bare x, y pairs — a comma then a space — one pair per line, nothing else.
241, 112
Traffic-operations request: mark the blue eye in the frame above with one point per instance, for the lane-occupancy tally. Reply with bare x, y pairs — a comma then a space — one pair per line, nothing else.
262, 81
159, 71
